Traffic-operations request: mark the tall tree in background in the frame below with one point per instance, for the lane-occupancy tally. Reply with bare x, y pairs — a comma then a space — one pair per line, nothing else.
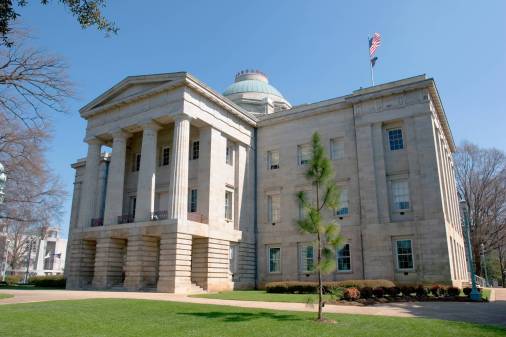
87, 12
325, 197
481, 181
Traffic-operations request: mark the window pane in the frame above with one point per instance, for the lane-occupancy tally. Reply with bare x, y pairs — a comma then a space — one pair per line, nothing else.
343, 207
273, 160
274, 207
165, 156
400, 194
228, 205
404, 254
344, 259
195, 149
336, 148
274, 260
304, 154
395, 139
192, 207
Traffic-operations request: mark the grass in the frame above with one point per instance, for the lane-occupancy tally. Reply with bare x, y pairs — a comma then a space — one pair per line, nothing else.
261, 295
118, 317
2, 296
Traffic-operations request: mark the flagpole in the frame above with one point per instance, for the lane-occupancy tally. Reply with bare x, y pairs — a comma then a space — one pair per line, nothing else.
370, 63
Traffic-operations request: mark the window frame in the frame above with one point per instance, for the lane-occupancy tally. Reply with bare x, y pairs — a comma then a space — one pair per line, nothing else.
341, 208
229, 154
162, 156
270, 165
195, 149
338, 257
193, 203
269, 270
397, 206
395, 143
396, 247
300, 161
334, 154
229, 206
270, 209
303, 258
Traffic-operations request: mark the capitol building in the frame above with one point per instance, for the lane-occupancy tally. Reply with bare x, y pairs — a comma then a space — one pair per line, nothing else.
186, 189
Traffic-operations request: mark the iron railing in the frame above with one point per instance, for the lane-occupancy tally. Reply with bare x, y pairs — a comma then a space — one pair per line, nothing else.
97, 222
125, 218
159, 215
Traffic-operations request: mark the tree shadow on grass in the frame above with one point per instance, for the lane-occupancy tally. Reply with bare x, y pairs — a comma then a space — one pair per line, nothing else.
242, 316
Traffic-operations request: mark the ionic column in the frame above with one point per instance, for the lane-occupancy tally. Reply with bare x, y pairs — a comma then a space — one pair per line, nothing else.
90, 183
179, 169
147, 173
116, 179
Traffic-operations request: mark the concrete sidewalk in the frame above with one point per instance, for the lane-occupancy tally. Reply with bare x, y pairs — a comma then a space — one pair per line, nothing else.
486, 313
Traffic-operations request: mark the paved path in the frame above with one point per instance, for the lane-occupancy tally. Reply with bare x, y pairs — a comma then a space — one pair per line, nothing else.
489, 313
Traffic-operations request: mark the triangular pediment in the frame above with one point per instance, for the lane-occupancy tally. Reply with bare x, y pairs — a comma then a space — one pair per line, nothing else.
131, 87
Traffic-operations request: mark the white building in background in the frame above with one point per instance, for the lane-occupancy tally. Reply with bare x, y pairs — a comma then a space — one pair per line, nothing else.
47, 256
199, 190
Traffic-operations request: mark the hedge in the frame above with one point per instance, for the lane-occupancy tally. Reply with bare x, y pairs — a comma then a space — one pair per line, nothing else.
12, 279
305, 287
49, 281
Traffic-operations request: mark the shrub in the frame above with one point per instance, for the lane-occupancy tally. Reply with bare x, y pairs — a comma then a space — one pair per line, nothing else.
467, 291
366, 292
337, 293
436, 290
393, 291
305, 287
407, 290
12, 279
379, 292
351, 294
453, 291
49, 281
421, 291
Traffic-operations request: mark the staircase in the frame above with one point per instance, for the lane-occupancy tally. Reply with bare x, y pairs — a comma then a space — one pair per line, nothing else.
196, 289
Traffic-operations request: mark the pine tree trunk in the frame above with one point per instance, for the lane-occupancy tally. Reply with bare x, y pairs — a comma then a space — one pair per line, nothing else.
320, 285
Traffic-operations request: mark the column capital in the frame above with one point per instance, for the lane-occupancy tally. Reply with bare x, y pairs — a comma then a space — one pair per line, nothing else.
150, 125
182, 117
93, 141
120, 134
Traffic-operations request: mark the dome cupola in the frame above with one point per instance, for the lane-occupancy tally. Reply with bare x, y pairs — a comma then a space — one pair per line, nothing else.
252, 91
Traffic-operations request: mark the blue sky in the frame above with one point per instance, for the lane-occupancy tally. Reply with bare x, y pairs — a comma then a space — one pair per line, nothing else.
311, 50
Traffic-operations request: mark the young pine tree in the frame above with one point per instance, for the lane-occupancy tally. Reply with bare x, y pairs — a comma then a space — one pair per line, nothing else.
325, 197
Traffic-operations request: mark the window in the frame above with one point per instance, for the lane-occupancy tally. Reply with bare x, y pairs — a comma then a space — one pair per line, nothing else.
273, 160
192, 205
233, 258
273, 208
400, 194
304, 154
136, 162
404, 254
132, 204
274, 259
195, 149
307, 258
228, 205
336, 148
344, 258
343, 202
395, 139
230, 154
165, 156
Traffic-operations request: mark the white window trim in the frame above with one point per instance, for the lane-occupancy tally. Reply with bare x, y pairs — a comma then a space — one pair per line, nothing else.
231, 206
332, 144
351, 262
269, 160
341, 188
397, 256
392, 200
270, 218
303, 258
161, 155
299, 155
269, 259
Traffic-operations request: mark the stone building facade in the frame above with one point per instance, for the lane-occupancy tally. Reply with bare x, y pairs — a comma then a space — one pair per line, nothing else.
198, 190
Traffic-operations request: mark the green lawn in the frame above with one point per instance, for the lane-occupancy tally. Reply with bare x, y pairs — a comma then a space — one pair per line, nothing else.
116, 317
261, 295
5, 296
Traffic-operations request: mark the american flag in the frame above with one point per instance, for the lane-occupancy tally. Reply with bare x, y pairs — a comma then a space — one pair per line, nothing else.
374, 43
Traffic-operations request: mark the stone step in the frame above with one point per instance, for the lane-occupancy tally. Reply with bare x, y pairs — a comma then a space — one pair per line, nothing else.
195, 289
